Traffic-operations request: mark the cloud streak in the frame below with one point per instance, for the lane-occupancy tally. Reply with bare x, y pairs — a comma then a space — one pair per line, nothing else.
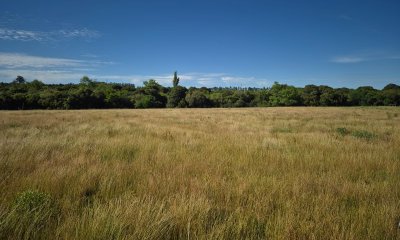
349, 59
192, 79
364, 58
17, 60
64, 70
187, 79
41, 36
47, 76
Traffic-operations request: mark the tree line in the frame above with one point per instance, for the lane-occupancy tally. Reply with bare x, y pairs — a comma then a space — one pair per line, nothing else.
20, 94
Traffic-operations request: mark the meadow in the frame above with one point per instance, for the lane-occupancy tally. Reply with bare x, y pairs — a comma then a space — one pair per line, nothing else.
239, 173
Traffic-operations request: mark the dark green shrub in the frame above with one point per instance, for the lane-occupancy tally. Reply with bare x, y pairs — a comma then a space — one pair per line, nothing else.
342, 131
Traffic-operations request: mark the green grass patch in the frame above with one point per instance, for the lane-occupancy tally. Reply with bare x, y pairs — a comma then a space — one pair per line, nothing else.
32, 215
362, 134
342, 131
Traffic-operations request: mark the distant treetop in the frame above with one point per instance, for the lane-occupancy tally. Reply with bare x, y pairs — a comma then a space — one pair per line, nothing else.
19, 79
175, 80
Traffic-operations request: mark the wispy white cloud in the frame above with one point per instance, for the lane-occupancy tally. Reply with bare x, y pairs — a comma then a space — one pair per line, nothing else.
191, 79
15, 60
365, 57
349, 59
41, 36
20, 35
48, 69
47, 76
18, 60
78, 33
187, 79
65, 70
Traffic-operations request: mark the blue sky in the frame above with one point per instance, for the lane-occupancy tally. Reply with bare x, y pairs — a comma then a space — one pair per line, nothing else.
209, 42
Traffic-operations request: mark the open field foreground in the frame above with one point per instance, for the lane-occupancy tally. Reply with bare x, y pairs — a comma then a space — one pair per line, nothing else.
259, 173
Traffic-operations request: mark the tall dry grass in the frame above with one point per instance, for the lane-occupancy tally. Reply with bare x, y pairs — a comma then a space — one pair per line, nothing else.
259, 173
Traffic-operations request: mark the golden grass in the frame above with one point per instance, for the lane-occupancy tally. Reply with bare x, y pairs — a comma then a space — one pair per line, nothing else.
259, 173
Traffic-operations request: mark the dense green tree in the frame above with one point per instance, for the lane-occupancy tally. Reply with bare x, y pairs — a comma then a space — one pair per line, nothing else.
53, 99
86, 81
197, 99
311, 95
150, 96
36, 85
145, 101
92, 94
284, 95
152, 85
222, 98
365, 96
176, 97
342, 96
262, 98
118, 99
243, 99
391, 86
327, 97
391, 95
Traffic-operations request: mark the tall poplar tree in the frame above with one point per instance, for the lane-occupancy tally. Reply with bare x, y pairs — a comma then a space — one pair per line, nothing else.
175, 80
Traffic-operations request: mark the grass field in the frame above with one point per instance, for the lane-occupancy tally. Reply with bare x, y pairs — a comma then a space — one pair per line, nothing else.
259, 173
